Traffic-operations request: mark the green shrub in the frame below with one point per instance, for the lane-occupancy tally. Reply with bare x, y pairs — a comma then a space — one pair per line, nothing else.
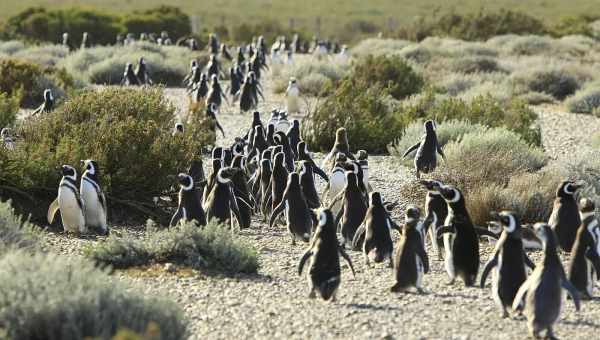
391, 73
11, 47
46, 55
127, 130
358, 107
476, 64
14, 232
9, 106
55, 297
586, 101
164, 18
376, 47
584, 166
211, 247
557, 82
18, 76
315, 77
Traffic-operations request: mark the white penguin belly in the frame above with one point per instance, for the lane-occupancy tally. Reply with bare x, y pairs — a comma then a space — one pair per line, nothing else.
495, 282
95, 216
589, 287
448, 258
70, 212
292, 103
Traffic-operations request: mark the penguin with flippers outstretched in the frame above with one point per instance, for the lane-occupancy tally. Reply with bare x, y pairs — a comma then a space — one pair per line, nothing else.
427, 149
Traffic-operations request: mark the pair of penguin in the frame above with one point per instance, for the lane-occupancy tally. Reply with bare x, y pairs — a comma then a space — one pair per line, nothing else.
139, 76
84, 209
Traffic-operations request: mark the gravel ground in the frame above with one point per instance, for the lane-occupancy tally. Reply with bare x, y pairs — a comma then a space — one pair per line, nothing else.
274, 303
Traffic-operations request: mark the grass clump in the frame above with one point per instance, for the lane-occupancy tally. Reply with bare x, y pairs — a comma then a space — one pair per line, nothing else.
586, 101
15, 233
212, 247
54, 297
552, 81
476, 64
9, 106
391, 73
315, 77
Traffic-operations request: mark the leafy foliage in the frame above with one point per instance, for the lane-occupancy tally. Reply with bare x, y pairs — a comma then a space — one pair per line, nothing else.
391, 73
14, 232
9, 106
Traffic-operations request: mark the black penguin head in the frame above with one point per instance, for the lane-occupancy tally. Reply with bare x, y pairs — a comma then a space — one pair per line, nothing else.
351, 179
362, 155
545, 234
185, 181
293, 180
129, 67
340, 158
69, 172
587, 207
411, 217
214, 80
293, 81
265, 164
450, 194
279, 159
326, 222
256, 117
142, 61
432, 186
295, 124
217, 153
429, 126
193, 64
567, 189
238, 162
280, 138
178, 127
270, 129
48, 95
301, 148
91, 166
274, 115
266, 154
225, 175
203, 77
508, 220
217, 163
375, 199
340, 136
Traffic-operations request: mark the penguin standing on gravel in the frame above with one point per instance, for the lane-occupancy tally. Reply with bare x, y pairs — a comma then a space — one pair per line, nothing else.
436, 211
189, 207
217, 164
293, 135
94, 202
279, 177
129, 77
224, 53
353, 208
565, 219
248, 94
376, 245
200, 89
362, 157
242, 192
193, 76
265, 187
337, 179
292, 97
427, 150
282, 139
585, 255
324, 253
298, 215
507, 262
410, 260
48, 104
215, 93
302, 154
340, 146
69, 203
213, 68
221, 204
235, 81
543, 289
307, 182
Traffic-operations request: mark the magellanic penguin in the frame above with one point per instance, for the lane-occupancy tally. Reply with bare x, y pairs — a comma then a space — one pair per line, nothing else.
213, 68
6, 139
303, 155
242, 192
507, 262
340, 146
410, 260
279, 177
292, 97
199, 90
215, 95
129, 77
307, 182
353, 208
298, 215
337, 179
235, 82
282, 124
265, 187
293, 135
217, 164
69, 203
221, 204
565, 219
543, 289
362, 157
48, 104
141, 72
427, 149
376, 245
282, 139
436, 211
94, 202
585, 256
324, 253
189, 207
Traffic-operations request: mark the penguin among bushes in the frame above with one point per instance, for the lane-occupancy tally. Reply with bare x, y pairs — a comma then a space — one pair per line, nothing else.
69, 203
427, 150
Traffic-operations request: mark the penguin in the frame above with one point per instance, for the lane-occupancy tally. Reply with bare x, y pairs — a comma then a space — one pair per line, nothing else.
69, 203
259, 143
292, 97
298, 215
247, 94
340, 146
193, 76
565, 219
240, 59
7, 141
178, 129
362, 157
436, 211
199, 89
211, 111
281, 139
307, 182
274, 118
213, 44
293, 135
215, 94
410, 259
376, 245
48, 104
324, 253
66, 42
217, 164
270, 134
224, 53
235, 82
353, 208
265, 186
427, 149
279, 177
196, 170
164, 38
141, 72
213, 68
242, 192
129, 76
337, 178
507, 262
585, 255
542, 291
302, 154
85, 41
189, 207
94, 202
221, 204
283, 124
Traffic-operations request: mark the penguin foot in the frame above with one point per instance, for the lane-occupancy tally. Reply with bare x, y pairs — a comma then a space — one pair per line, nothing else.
420, 291
312, 294
450, 282
504, 314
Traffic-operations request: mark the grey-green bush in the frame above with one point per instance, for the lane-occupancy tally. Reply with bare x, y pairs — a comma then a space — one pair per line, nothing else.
314, 76
556, 82
211, 247
9, 106
15, 232
67, 298
476, 64
586, 101
46, 55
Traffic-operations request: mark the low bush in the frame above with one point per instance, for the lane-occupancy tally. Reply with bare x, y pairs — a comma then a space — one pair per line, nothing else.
391, 73
46, 55
127, 130
557, 82
16, 233
315, 77
584, 166
476, 64
376, 47
55, 297
9, 106
11, 47
164, 18
210, 247
586, 101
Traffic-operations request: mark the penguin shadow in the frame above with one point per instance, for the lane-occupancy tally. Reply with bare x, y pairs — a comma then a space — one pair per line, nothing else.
372, 307
454, 295
581, 323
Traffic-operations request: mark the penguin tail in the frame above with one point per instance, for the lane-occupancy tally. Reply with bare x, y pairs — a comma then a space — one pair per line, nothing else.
328, 288
306, 237
396, 288
375, 256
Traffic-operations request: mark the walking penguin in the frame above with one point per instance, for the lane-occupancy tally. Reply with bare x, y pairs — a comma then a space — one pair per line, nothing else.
427, 150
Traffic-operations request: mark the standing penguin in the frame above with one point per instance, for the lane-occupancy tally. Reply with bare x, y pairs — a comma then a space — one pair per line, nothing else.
292, 97
94, 202
69, 203
293, 135
48, 104
265, 187
248, 95
6, 139
298, 215
221, 204
585, 256
224, 53
215, 95
410, 261
242, 192
353, 209
377, 242
324, 252
340, 146
543, 289
307, 182
190, 202
362, 157
427, 150
302, 154
507, 262
193, 76
281, 139
279, 177
235, 82
217, 164
436, 211
565, 218
129, 77
141, 72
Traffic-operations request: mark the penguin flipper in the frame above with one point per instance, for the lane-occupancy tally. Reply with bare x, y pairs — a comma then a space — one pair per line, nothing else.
305, 257
54, 207
394, 225
276, 212
424, 258
485, 232
176, 218
529, 263
521, 294
411, 149
320, 172
358, 236
493, 262
592, 255
443, 230
347, 258
568, 286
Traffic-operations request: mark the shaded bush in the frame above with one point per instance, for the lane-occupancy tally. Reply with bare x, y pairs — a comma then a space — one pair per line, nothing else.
15, 233
54, 297
29, 79
9, 106
553, 81
392, 73
164, 18
128, 131
476, 64
586, 101
584, 166
211, 247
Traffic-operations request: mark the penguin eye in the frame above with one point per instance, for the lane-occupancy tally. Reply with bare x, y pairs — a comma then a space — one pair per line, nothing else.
322, 218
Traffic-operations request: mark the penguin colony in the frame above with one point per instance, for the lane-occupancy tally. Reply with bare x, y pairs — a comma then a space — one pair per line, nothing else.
269, 173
